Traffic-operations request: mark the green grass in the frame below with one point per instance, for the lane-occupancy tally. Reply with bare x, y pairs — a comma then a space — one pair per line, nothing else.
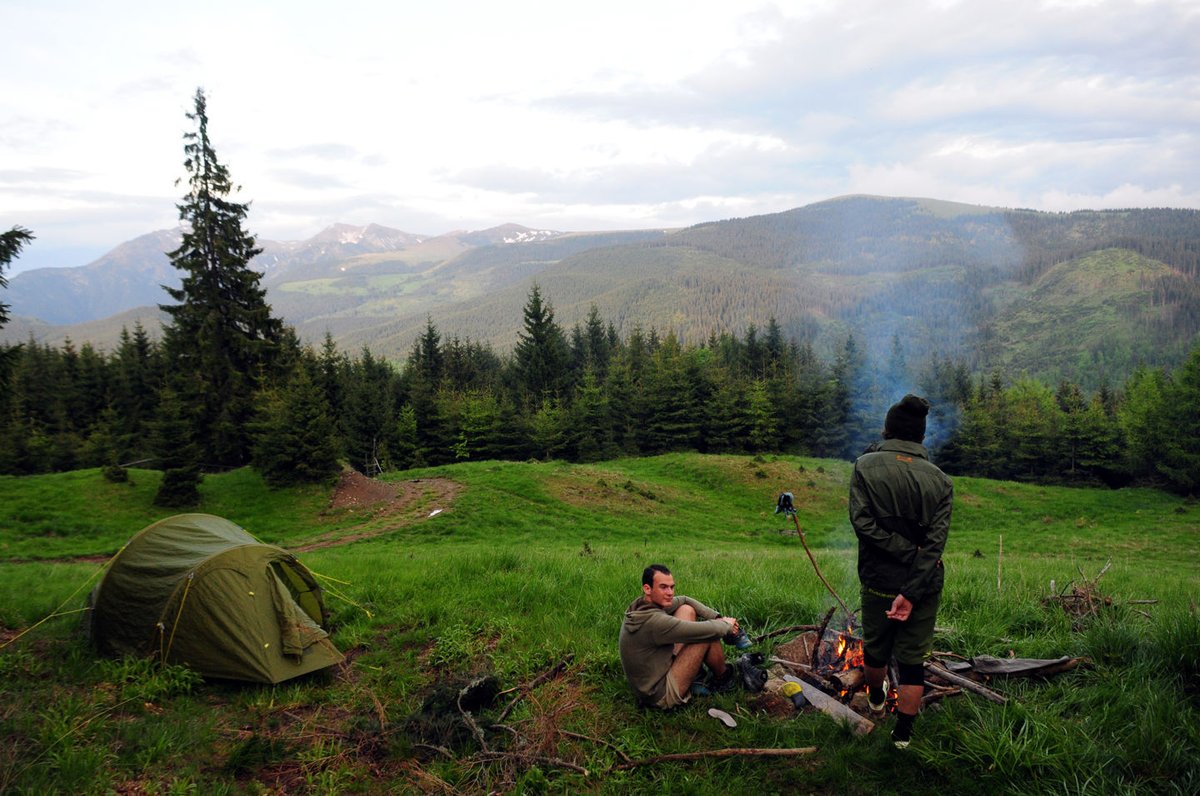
536, 561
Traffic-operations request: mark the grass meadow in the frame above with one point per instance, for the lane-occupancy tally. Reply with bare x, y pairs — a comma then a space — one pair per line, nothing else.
532, 564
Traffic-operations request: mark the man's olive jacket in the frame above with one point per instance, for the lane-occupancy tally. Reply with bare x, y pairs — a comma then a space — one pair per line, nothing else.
900, 507
649, 635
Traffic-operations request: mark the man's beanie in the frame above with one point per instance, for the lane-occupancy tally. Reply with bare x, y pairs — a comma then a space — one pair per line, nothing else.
906, 419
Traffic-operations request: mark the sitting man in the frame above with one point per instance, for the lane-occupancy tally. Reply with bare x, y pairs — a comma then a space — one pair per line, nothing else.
665, 639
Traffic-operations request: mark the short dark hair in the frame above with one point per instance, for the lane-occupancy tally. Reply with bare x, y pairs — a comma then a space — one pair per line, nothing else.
648, 573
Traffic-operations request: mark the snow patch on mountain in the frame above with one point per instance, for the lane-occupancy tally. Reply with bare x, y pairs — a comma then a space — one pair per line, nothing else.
531, 235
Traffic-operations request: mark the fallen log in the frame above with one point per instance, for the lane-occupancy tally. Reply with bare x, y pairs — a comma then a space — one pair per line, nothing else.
832, 708
937, 670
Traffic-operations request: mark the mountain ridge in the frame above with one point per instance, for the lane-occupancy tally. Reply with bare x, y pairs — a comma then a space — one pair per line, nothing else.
937, 275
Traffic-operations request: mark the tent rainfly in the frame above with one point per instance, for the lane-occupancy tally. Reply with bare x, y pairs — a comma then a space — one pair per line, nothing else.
197, 590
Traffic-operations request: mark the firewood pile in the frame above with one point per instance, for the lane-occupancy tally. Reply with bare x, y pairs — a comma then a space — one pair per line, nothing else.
1084, 600
827, 661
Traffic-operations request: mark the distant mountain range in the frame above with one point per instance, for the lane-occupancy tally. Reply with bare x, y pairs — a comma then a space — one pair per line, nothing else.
1084, 295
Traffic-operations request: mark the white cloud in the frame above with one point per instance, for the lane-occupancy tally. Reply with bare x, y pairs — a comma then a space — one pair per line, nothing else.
435, 116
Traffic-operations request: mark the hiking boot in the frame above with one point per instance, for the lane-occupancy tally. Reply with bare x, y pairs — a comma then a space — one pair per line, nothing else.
878, 709
754, 677
740, 640
725, 683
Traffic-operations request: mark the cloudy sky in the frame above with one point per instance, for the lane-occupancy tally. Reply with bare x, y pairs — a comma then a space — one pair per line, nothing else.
434, 116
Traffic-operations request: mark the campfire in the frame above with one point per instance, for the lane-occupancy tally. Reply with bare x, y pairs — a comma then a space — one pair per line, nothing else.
827, 660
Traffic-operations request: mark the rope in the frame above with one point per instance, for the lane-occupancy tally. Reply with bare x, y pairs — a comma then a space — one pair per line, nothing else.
326, 577
186, 588
58, 611
334, 592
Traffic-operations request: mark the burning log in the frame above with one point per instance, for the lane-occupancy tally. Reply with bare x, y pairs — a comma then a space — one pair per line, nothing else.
850, 680
860, 725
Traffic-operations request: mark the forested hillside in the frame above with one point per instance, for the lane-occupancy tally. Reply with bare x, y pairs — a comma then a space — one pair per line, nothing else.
950, 280
976, 284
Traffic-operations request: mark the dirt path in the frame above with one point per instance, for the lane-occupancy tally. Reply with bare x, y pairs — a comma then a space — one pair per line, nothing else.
393, 505
388, 506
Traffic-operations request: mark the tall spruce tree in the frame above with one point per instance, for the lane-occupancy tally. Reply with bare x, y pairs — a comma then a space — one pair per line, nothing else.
11, 243
220, 341
295, 440
542, 356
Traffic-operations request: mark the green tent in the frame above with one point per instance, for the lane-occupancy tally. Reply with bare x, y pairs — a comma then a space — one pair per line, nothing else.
197, 590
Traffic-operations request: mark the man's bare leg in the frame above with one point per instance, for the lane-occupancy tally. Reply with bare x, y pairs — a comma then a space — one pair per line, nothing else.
686, 667
689, 657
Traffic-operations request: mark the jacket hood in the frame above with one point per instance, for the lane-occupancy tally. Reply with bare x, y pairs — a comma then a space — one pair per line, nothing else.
638, 612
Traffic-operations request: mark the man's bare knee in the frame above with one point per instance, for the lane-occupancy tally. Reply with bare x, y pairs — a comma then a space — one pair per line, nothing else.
685, 613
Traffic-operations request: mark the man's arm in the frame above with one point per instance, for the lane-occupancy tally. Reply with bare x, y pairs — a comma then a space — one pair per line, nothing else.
669, 630
702, 610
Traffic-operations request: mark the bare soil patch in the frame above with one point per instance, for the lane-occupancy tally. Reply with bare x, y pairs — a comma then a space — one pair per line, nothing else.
391, 506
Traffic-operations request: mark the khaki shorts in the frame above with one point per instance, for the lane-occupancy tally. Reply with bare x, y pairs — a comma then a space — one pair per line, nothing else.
910, 641
672, 698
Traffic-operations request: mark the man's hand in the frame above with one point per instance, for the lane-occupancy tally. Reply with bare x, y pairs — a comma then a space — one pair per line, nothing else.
901, 609
729, 620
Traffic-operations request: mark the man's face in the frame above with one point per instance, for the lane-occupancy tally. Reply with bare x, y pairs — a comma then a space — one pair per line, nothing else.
662, 591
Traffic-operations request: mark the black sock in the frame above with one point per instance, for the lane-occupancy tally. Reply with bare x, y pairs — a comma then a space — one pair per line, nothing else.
876, 695
904, 726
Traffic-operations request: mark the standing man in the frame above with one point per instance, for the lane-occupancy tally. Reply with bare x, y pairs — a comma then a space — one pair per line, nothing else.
665, 639
900, 508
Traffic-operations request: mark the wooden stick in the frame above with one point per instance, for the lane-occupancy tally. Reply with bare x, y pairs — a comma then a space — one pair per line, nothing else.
796, 519
941, 693
816, 652
549, 674
795, 752
1000, 565
782, 630
441, 750
938, 670
486, 757
466, 714
582, 737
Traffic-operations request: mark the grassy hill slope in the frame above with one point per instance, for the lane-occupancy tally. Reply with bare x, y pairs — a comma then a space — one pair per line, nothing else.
533, 562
